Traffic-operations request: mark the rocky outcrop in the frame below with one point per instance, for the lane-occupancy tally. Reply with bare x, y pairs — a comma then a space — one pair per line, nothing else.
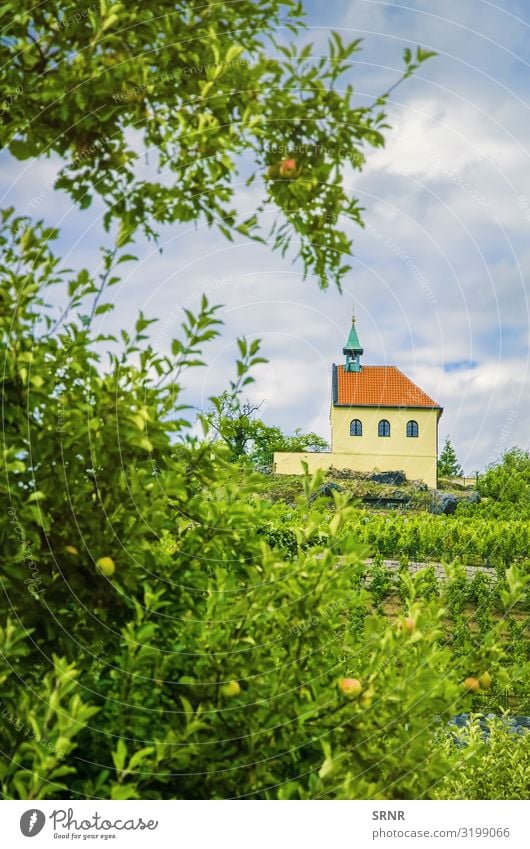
446, 502
515, 724
390, 478
326, 490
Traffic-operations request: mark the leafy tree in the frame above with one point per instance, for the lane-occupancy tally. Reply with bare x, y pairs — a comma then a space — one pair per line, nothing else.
448, 465
270, 439
233, 422
300, 441
508, 480
202, 84
80, 434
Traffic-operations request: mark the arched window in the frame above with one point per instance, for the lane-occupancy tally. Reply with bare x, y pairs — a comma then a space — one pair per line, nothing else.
383, 428
356, 427
412, 428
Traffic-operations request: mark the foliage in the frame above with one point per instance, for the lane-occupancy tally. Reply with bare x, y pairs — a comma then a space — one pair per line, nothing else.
40, 722
84, 445
448, 465
270, 439
166, 631
76, 80
508, 480
233, 422
492, 762
282, 488
206, 664
472, 539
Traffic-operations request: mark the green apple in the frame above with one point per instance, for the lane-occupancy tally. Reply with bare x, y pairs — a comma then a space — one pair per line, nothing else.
485, 680
107, 566
232, 688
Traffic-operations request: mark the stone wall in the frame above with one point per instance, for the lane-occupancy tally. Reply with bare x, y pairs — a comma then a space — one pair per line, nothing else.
439, 570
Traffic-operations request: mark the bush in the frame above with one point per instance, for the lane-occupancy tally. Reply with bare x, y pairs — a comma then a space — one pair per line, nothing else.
509, 480
491, 761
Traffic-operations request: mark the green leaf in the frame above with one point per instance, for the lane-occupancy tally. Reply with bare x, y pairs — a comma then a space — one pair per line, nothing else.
21, 149
127, 258
36, 496
422, 55
233, 52
119, 755
140, 756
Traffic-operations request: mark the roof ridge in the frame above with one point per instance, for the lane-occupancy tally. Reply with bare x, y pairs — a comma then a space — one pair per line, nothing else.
365, 366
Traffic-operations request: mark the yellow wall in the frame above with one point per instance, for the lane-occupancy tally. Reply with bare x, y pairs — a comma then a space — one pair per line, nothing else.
397, 444
416, 457
415, 468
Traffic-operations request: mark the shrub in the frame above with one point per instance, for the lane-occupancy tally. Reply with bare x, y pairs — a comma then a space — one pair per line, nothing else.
491, 761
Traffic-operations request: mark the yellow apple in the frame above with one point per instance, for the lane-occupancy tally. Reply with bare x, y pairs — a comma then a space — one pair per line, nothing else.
485, 680
107, 566
230, 689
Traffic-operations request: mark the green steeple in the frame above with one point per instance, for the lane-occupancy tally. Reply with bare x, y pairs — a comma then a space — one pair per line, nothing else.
352, 349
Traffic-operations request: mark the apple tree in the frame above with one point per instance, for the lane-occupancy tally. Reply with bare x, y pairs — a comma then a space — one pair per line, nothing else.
214, 96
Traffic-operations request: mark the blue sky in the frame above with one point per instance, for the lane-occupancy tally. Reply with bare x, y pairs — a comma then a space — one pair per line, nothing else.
439, 274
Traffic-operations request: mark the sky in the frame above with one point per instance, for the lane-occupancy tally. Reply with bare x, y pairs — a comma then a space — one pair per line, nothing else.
438, 279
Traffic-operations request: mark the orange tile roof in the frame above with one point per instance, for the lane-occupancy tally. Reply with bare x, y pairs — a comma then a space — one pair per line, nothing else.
377, 386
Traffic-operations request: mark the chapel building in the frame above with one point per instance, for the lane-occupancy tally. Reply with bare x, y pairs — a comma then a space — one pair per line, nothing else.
380, 421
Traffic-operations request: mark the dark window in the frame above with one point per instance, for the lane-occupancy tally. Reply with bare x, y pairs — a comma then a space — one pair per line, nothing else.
383, 428
412, 428
356, 428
